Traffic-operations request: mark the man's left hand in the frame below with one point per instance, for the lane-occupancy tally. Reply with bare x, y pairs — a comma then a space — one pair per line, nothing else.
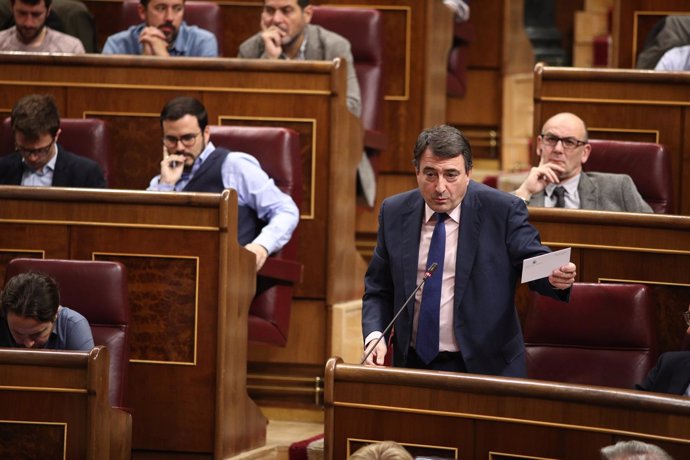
260, 252
563, 277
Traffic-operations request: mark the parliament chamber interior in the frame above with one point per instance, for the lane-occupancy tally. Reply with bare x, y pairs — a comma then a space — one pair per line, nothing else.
198, 356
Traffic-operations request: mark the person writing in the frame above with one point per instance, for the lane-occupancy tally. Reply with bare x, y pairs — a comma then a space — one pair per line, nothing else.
32, 316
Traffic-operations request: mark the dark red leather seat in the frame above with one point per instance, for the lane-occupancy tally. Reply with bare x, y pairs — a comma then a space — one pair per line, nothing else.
88, 137
648, 164
203, 14
604, 336
278, 152
363, 28
97, 290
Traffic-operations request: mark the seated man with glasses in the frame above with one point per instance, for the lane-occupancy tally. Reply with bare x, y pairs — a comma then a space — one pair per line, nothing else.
38, 159
559, 181
191, 163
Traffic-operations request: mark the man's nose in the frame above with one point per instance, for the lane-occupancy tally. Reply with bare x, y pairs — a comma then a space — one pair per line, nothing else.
29, 343
441, 185
169, 14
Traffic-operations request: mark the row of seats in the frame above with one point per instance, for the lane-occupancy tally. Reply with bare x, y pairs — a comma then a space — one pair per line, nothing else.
278, 150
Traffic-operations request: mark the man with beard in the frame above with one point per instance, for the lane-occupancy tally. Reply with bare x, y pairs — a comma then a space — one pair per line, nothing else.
30, 33
286, 33
163, 33
191, 163
38, 159
563, 147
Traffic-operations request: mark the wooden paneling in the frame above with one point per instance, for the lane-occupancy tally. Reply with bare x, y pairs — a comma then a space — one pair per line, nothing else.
190, 287
454, 415
54, 404
623, 104
633, 20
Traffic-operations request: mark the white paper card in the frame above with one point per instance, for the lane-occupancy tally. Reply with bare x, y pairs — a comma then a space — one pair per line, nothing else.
542, 266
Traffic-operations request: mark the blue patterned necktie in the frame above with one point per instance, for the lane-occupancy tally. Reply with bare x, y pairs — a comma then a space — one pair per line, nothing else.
428, 322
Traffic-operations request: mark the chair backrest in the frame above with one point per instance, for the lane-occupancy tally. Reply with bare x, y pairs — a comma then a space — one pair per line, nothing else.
203, 14
279, 153
648, 164
88, 137
363, 28
604, 336
97, 290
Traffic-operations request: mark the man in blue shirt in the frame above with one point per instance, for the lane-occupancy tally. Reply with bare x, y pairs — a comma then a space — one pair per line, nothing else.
32, 316
191, 163
163, 33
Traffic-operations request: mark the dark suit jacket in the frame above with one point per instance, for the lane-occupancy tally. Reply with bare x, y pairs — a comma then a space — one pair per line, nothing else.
495, 237
670, 375
71, 170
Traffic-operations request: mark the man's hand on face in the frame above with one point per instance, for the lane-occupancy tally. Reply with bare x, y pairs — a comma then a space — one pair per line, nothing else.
171, 167
154, 42
538, 178
273, 44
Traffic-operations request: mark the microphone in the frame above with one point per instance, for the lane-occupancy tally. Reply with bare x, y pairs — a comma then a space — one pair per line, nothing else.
427, 274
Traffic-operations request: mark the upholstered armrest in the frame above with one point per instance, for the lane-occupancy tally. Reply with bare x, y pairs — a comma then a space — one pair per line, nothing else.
375, 140
120, 434
286, 270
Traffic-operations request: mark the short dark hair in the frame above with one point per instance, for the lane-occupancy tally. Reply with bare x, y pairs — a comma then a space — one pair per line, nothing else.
33, 2
185, 105
302, 3
31, 294
35, 115
444, 141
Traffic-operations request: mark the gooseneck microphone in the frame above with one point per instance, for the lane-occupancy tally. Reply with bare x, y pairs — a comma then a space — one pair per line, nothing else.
427, 274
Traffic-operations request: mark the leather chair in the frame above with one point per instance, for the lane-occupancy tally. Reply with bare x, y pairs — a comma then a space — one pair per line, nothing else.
604, 336
648, 164
363, 27
203, 14
97, 290
279, 153
88, 137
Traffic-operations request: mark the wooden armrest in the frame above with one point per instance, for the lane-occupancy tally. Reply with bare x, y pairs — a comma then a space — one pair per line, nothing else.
375, 140
282, 269
120, 434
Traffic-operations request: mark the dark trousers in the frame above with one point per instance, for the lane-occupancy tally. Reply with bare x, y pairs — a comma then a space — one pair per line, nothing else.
444, 361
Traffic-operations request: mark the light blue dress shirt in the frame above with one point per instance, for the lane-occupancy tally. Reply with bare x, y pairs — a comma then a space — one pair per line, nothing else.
190, 41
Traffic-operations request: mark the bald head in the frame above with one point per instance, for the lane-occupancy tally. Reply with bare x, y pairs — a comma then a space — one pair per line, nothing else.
570, 120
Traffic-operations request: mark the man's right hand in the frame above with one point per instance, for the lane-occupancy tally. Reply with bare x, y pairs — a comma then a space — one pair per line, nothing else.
154, 42
171, 168
273, 44
538, 178
377, 357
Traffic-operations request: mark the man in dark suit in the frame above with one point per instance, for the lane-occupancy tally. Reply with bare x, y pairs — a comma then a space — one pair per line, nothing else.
487, 237
38, 160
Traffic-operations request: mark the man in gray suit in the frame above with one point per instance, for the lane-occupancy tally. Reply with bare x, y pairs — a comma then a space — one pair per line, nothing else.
559, 181
286, 33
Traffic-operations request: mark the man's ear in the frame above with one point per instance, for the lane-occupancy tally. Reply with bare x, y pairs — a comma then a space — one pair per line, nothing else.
307, 12
142, 12
587, 149
207, 134
57, 134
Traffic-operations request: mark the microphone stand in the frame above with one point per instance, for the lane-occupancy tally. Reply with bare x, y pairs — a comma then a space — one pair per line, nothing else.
427, 274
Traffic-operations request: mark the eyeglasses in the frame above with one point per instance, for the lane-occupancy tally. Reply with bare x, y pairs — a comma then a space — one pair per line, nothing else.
187, 140
39, 152
568, 143
686, 317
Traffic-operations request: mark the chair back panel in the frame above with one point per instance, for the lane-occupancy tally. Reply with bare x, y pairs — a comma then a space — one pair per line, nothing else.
97, 290
203, 14
363, 28
604, 336
648, 164
279, 153
88, 137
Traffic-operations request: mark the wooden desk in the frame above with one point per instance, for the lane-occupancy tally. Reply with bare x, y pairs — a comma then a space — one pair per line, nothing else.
652, 249
54, 404
626, 105
190, 286
469, 416
309, 97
